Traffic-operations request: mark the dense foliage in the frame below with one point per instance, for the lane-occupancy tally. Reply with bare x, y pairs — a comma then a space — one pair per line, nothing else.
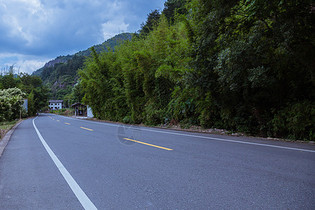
240, 65
11, 101
14, 88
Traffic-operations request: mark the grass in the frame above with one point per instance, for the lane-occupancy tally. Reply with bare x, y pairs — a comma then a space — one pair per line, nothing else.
64, 111
6, 126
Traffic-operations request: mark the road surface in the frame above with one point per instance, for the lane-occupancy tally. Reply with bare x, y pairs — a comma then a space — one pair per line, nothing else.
55, 162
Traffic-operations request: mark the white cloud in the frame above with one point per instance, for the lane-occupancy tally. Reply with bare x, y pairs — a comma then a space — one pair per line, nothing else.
49, 28
23, 63
111, 28
23, 18
29, 66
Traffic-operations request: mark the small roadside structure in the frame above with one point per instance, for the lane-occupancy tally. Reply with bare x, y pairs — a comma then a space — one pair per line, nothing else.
25, 104
55, 104
79, 109
89, 112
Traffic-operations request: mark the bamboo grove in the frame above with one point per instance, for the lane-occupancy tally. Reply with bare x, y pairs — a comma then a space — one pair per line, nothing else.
245, 66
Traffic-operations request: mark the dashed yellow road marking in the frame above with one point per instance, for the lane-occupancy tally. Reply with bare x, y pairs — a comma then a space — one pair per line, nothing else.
67, 123
87, 129
152, 145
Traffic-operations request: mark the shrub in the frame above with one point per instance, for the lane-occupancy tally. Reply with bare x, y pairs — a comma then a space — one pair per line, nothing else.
11, 101
127, 119
296, 121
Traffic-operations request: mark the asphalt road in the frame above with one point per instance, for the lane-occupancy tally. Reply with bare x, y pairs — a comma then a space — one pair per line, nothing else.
55, 162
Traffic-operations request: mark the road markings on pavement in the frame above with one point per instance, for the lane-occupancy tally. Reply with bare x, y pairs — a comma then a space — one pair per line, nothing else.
205, 137
76, 189
87, 129
58, 120
235, 141
152, 145
67, 123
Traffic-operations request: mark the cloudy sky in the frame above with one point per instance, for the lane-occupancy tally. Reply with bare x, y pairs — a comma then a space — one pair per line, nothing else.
33, 32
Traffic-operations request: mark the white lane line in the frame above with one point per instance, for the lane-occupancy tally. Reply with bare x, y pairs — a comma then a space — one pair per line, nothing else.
82, 197
236, 141
207, 137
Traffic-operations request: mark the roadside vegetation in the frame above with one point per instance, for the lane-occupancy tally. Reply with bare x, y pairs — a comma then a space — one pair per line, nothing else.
5, 127
64, 111
11, 101
245, 66
14, 89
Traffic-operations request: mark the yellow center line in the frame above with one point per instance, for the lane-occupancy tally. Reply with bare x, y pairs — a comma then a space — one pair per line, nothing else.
152, 145
87, 128
67, 123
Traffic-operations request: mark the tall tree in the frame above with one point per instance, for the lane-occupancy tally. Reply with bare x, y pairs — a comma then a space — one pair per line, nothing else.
151, 22
173, 7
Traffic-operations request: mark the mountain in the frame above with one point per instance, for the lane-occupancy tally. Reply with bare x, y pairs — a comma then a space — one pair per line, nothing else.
108, 44
60, 74
59, 59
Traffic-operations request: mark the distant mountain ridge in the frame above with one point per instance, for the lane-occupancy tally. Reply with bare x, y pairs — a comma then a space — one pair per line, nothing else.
60, 74
110, 43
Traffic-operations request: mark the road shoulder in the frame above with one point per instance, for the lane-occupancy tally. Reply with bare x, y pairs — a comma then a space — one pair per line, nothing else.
6, 138
198, 130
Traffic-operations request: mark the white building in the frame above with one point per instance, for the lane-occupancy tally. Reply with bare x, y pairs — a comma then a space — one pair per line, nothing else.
55, 104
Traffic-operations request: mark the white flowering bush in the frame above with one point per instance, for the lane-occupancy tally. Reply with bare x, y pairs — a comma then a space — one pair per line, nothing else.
11, 101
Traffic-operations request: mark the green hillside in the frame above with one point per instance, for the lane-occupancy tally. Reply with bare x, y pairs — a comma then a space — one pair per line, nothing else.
60, 74
110, 43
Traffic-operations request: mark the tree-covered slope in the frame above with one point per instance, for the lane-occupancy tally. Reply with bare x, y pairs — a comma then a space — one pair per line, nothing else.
245, 66
60, 74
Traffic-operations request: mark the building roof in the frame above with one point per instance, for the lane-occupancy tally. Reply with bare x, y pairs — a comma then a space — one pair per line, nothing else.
55, 101
77, 104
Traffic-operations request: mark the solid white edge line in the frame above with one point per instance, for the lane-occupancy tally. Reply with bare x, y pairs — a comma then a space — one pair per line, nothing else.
82, 197
206, 137
240, 142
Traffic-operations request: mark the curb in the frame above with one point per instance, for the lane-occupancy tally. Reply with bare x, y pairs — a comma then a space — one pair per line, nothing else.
6, 138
